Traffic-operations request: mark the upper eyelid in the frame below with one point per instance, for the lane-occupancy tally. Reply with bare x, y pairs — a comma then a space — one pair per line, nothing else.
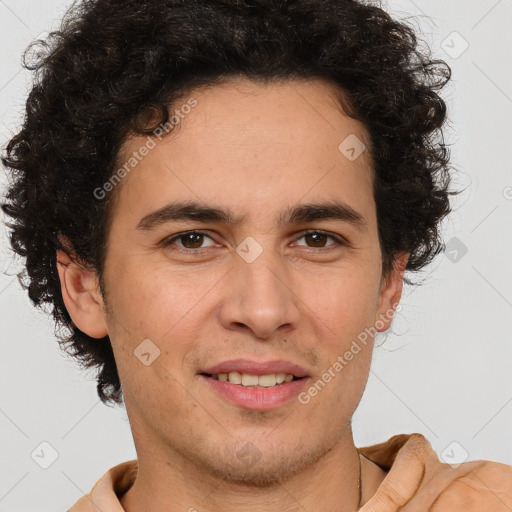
338, 238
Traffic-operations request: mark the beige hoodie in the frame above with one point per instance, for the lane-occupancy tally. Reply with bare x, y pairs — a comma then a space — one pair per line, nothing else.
401, 474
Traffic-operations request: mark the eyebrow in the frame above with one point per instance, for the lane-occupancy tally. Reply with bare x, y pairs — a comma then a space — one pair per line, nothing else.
303, 213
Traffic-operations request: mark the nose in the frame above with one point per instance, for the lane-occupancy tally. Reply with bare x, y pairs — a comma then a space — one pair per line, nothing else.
260, 299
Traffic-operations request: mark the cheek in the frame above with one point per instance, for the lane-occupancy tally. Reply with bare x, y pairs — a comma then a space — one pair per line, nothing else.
343, 304
159, 300
343, 313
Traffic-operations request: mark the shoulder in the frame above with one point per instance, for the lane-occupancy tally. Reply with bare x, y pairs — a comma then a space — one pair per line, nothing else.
417, 480
106, 491
483, 485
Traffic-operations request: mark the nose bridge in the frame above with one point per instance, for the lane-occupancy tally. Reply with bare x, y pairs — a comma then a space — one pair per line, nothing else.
261, 272
261, 298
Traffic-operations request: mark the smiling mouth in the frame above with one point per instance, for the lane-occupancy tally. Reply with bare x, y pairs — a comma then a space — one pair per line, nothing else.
254, 381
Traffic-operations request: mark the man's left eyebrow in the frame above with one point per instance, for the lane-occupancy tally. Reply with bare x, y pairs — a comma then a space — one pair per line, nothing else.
333, 210
299, 214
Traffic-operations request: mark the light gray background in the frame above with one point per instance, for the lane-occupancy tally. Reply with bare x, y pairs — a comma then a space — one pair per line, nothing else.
445, 369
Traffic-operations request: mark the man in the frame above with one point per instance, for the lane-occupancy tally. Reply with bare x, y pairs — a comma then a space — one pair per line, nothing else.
221, 200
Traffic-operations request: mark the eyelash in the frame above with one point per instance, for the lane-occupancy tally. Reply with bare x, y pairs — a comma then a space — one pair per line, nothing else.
340, 241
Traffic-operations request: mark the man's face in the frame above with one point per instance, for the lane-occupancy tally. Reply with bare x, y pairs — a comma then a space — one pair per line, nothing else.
255, 290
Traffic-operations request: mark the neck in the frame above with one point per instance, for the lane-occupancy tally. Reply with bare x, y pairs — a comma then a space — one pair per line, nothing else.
174, 482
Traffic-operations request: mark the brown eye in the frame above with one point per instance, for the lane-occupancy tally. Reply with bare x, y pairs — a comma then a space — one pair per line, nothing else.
318, 239
189, 241
194, 239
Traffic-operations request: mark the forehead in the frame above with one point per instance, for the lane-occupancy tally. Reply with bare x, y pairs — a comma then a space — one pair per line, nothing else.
244, 143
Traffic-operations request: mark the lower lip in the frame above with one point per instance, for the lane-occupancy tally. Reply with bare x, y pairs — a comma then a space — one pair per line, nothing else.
257, 398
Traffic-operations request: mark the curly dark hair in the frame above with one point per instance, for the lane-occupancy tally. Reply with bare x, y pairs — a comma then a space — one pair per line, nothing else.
114, 64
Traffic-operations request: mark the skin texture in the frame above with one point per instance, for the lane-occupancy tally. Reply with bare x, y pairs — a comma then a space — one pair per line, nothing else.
257, 150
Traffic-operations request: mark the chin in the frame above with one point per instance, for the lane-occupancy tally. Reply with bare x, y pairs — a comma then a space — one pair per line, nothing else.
254, 466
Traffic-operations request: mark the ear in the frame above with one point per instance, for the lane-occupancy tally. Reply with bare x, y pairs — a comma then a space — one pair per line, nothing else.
82, 297
390, 293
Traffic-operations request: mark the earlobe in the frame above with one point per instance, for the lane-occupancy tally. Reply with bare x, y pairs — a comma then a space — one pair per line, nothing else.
390, 293
81, 295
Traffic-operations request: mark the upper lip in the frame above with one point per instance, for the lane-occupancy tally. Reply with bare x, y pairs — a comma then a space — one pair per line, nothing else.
256, 367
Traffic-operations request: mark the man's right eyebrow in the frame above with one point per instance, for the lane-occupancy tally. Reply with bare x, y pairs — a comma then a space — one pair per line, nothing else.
187, 211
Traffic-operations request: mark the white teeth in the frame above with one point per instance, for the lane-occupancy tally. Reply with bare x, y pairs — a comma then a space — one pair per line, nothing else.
235, 377
267, 381
248, 380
